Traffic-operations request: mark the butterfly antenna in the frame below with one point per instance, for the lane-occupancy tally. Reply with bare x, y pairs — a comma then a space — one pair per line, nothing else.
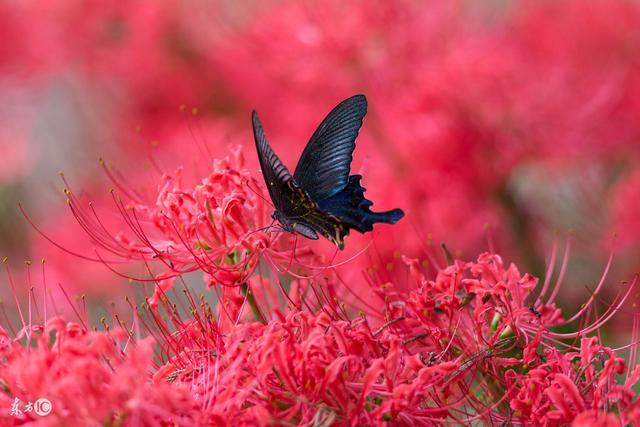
258, 194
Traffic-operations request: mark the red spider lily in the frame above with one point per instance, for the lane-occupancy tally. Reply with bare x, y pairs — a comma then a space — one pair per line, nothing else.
465, 346
219, 227
476, 343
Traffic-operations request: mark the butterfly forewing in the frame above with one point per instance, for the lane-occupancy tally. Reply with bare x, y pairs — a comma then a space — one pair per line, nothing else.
323, 168
276, 174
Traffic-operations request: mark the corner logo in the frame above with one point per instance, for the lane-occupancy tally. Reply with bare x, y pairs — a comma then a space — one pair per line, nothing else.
41, 407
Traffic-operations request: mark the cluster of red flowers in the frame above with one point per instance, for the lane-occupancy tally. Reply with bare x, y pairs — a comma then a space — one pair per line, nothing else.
89, 377
493, 124
465, 342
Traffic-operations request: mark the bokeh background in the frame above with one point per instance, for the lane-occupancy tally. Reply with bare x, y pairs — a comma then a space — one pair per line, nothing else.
505, 124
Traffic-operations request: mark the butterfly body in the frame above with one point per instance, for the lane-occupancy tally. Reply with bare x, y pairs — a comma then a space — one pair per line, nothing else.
321, 197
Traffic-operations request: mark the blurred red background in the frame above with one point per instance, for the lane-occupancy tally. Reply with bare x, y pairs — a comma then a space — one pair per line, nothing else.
510, 122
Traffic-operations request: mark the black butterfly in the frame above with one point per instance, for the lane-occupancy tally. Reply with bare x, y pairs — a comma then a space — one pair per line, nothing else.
321, 197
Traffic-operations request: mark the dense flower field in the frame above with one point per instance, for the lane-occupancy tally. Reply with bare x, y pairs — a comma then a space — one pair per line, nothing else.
507, 133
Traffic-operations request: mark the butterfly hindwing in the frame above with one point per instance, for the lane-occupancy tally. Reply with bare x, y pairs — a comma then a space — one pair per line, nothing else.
324, 223
323, 168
